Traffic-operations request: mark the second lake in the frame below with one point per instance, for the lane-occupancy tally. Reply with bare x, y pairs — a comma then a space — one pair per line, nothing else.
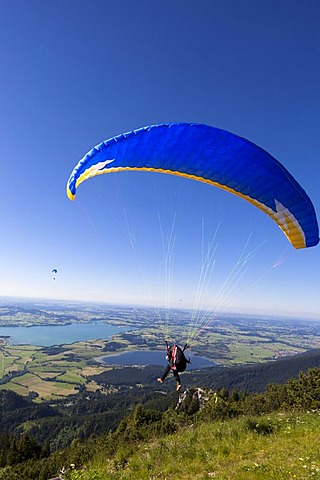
150, 357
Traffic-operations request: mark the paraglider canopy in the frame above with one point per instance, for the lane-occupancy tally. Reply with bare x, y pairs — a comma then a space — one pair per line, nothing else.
54, 272
213, 156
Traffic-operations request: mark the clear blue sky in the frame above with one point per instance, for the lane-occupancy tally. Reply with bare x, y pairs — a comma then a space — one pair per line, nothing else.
76, 72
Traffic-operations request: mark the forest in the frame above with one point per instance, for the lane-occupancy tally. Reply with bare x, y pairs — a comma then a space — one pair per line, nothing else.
37, 440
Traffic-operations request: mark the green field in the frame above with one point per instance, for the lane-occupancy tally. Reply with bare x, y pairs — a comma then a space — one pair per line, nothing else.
29, 369
220, 450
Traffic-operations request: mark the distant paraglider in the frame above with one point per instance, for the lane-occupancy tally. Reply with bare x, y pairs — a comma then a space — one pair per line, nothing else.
213, 156
54, 273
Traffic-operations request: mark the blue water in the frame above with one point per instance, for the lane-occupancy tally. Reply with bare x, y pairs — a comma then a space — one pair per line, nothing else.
48, 335
143, 357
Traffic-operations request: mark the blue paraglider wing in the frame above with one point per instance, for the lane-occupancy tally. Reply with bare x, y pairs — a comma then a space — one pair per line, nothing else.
213, 156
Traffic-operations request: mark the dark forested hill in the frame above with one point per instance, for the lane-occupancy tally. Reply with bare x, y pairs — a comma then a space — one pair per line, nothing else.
96, 413
252, 378
255, 378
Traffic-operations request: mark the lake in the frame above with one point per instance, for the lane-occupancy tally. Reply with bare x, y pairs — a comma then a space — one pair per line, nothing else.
149, 357
48, 335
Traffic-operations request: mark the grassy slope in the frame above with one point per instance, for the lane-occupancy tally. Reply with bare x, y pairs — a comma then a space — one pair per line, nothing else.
221, 450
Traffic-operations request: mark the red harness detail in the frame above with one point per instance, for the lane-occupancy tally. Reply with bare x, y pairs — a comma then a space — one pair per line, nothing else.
173, 357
